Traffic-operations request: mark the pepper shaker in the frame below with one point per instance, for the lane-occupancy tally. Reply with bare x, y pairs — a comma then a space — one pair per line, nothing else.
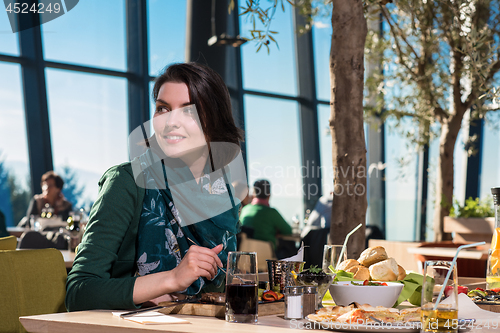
310, 300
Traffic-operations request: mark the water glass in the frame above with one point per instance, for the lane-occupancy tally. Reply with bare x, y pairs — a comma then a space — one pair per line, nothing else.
331, 254
241, 287
444, 317
493, 269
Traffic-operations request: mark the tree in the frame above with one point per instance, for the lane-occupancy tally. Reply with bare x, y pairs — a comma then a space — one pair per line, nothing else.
71, 190
442, 58
346, 119
20, 198
5, 203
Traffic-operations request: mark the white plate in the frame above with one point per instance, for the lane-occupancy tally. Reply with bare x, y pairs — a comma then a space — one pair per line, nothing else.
382, 328
375, 327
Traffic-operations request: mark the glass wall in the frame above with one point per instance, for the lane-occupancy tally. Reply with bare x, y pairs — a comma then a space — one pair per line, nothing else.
15, 190
91, 34
275, 121
8, 41
400, 186
166, 33
89, 128
273, 72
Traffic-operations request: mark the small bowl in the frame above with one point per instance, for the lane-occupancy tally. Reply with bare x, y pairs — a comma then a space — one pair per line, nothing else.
320, 281
344, 293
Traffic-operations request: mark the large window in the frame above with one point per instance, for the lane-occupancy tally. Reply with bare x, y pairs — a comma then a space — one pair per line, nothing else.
89, 127
91, 34
14, 167
273, 72
401, 186
166, 32
8, 40
322, 34
273, 151
490, 158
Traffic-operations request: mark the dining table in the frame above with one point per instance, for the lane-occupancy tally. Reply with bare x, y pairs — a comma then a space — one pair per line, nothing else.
104, 321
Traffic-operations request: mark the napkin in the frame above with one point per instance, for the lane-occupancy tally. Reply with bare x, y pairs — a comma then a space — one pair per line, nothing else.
468, 310
152, 317
299, 256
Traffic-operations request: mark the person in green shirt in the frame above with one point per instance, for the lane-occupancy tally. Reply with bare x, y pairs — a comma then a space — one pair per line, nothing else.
265, 221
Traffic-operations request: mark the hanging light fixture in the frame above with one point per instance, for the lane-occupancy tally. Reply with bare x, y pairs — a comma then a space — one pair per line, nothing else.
223, 39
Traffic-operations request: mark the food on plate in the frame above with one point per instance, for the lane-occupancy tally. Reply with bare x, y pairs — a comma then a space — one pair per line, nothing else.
360, 272
490, 296
356, 313
386, 270
372, 255
378, 266
369, 283
271, 296
401, 273
346, 264
213, 298
461, 290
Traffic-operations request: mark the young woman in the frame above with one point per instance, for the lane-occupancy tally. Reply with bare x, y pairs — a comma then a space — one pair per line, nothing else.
162, 224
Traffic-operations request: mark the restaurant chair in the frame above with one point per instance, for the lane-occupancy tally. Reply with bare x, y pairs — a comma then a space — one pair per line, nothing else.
263, 249
33, 282
8, 243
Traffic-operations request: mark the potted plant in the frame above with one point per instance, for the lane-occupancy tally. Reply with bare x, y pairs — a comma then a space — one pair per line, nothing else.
472, 222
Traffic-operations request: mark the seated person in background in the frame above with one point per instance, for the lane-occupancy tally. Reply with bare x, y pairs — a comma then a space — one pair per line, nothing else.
321, 216
52, 185
266, 222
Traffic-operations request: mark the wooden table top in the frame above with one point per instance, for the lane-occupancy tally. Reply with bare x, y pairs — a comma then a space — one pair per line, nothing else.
103, 321
97, 321
449, 252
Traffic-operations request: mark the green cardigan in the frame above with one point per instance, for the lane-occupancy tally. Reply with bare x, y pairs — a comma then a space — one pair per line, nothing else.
102, 276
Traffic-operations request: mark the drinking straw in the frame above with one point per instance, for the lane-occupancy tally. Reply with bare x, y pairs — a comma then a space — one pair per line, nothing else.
345, 244
453, 262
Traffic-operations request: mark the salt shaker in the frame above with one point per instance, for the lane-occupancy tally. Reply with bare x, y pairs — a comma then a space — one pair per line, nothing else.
293, 302
310, 300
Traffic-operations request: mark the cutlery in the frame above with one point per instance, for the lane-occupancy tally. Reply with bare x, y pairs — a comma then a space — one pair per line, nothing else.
175, 303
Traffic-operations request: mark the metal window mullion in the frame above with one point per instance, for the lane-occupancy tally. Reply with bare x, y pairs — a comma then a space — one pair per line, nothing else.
35, 100
137, 63
308, 113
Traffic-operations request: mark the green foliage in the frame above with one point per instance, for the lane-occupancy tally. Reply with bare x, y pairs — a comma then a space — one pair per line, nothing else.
438, 56
473, 208
71, 190
313, 269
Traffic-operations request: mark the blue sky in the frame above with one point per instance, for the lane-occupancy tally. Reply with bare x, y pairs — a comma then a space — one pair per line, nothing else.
88, 113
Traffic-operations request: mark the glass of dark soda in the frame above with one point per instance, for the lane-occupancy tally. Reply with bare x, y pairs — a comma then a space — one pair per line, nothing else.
241, 287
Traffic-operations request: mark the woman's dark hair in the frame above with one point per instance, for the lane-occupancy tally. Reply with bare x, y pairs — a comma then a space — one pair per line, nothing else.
209, 93
52, 175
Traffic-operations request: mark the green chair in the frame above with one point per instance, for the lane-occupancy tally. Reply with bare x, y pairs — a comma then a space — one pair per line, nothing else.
8, 243
32, 282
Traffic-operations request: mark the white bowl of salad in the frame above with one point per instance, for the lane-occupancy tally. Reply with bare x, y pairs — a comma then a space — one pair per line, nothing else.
374, 293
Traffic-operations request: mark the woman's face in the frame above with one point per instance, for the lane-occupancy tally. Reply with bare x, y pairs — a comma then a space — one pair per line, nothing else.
50, 190
175, 123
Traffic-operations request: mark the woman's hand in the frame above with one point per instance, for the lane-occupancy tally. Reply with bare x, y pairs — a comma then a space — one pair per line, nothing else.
198, 262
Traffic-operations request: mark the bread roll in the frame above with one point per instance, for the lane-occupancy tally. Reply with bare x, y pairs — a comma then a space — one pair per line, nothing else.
386, 270
360, 272
346, 264
401, 273
372, 255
